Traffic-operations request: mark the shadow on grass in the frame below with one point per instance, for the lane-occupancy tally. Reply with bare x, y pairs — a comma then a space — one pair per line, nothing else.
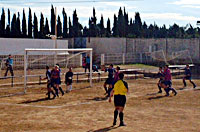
98, 98
157, 97
35, 101
106, 129
152, 94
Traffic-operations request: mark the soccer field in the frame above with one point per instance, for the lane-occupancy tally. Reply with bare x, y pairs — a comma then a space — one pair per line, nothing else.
86, 110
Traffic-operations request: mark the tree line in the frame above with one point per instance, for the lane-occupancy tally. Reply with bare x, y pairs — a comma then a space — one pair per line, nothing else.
71, 27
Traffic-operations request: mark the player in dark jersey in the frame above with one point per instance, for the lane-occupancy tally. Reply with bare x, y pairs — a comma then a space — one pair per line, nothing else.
68, 80
60, 88
48, 77
161, 78
109, 80
188, 76
55, 74
119, 91
167, 82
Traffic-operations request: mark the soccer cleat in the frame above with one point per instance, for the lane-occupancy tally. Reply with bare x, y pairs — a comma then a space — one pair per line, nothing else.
175, 93
167, 94
122, 124
114, 123
194, 86
159, 91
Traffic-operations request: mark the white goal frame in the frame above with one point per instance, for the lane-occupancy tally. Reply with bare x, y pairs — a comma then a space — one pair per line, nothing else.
27, 50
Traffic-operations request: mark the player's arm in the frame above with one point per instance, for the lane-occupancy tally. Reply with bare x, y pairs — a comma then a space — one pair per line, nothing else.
126, 85
111, 94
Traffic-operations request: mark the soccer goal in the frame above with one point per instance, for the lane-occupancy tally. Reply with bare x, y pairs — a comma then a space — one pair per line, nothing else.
28, 77
35, 61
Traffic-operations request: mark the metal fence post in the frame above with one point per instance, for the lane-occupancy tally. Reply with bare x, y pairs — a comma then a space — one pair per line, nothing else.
102, 59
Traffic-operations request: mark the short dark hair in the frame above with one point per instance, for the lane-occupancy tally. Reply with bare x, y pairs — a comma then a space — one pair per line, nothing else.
111, 65
57, 64
9, 55
167, 66
47, 67
121, 76
118, 68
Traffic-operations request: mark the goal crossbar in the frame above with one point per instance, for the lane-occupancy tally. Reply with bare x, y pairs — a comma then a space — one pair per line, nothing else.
27, 50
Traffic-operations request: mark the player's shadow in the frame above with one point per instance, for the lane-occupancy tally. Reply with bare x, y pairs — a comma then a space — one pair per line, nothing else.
106, 129
157, 97
34, 101
98, 98
152, 94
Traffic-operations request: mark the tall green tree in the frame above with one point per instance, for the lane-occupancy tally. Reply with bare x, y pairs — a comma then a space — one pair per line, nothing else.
137, 25
8, 25
93, 25
115, 27
14, 26
3, 22
121, 23
30, 31
59, 27
18, 23
35, 26
42, 33
76, 26
46, 27
70, 28
24, 28
52, 20
101, 27
65, 30
108, 28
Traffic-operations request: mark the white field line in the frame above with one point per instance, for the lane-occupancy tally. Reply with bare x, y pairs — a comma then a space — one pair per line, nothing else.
80, 103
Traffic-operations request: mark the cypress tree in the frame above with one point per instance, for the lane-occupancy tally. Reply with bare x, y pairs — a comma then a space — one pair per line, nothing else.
18, 26
52, 20
30, 24
24, 29
42, 34
3, 22
46, 28
70, 29
108, 29
35, 26
59, 27
14, 26
65, 30
115, 27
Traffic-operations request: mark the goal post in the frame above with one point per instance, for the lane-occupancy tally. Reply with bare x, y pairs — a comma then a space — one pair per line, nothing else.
52, 54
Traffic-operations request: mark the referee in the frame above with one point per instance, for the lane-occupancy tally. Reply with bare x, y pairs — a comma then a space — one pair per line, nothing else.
119, 91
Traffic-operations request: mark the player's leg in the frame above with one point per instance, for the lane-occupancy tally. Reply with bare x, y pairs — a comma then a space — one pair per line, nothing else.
50, 90
164, 86
11, 71
169, 85
159, 87
121, 114
7, 68
194, 85
59, 85
105, 87
184, 83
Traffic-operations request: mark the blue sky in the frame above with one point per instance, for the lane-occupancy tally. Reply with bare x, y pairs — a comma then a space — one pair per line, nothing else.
161, 12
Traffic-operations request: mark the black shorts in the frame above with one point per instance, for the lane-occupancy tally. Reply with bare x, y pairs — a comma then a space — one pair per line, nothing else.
188, 77
109, 81
68, 81
120, 100
167, 83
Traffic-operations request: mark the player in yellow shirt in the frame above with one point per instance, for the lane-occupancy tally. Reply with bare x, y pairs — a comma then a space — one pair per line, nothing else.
119, 91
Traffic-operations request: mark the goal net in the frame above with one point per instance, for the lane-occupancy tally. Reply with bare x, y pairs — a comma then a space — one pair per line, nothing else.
29, 77
182, 57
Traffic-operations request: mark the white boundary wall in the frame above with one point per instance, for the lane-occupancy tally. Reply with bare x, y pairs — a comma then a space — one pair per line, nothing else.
16, 46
